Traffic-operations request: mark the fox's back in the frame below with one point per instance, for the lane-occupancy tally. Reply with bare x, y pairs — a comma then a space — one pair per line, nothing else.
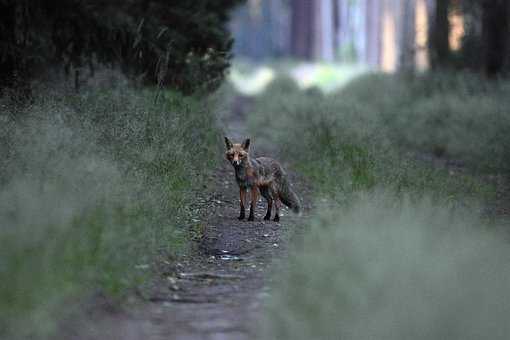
268, 169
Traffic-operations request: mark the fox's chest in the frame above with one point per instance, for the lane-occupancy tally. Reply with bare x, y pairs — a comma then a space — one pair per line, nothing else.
246, 178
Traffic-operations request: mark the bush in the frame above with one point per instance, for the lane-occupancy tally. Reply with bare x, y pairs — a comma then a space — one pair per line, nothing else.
92, 186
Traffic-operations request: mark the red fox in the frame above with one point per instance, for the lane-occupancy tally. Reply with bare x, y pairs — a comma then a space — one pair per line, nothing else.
260, 174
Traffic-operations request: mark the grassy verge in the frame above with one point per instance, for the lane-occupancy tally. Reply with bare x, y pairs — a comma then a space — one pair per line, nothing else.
92, 187
405, 254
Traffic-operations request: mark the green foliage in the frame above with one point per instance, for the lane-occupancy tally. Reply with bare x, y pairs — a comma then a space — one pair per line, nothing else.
93, 186
181, 44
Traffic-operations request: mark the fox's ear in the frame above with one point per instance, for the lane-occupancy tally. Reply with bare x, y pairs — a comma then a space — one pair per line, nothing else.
228, 143
246, 144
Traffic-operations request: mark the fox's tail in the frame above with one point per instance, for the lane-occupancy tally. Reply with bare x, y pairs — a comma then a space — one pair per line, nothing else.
289, 197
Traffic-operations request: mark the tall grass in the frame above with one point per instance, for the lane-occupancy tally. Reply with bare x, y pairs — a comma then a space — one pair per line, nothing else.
346, 143
454, 115
91, 187
383, 268
399, 251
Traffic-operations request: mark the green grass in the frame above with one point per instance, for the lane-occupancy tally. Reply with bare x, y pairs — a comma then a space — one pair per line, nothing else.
396, 247
345, 142
91, 187
387, 268
456, 115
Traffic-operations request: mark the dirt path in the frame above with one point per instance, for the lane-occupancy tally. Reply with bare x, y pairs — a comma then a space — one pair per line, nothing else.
217, 291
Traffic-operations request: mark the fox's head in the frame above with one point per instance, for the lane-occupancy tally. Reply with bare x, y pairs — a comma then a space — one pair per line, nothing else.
237, 154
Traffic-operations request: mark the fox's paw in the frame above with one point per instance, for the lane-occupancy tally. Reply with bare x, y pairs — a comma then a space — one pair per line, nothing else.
276, 218
267, 217
240, 218
251, 218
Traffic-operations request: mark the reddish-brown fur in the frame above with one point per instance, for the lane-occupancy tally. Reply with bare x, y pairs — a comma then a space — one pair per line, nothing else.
263, 176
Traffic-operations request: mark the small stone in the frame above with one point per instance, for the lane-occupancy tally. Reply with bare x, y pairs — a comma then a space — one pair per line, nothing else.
230, 258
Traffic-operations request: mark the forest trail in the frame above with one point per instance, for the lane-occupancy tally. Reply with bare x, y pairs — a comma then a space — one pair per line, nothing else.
217, 291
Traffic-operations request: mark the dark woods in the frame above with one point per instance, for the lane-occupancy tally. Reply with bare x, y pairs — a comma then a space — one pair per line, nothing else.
486, 44
184, 45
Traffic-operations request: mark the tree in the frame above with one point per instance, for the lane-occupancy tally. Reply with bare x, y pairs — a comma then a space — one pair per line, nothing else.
302, 26
408, 36
495, 35
180, 44
439, 35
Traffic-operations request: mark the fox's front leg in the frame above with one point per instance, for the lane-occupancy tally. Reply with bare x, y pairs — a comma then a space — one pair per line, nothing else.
254, 199
242, 195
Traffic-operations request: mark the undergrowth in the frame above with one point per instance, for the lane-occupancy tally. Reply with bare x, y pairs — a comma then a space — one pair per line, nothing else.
92, 187
396, 247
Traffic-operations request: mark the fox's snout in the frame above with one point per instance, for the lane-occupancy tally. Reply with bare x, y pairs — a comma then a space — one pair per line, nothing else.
236, 160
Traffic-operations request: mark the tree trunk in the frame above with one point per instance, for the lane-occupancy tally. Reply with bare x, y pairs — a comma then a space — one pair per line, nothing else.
408, 38
440, 31
495, 31
302, 25
336, 27
15, 71
9, 61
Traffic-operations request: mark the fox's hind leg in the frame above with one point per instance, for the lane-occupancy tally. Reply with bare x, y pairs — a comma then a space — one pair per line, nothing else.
277, 210
276, 200
264, 191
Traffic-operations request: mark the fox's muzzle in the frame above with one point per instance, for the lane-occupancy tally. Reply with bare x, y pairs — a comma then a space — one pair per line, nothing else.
236, 162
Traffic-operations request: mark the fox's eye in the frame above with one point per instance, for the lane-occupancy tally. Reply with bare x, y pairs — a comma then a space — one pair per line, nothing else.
242, 155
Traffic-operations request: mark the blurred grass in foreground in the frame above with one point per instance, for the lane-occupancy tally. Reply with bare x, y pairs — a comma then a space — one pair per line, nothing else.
388, 268
396, 248
92, 187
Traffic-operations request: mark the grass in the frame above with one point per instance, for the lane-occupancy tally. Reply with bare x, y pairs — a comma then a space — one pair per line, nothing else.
344, 142
456, 115
93, 187
397, 247
387, 268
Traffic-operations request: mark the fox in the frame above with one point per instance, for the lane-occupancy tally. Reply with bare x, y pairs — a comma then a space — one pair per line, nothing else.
261, 175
